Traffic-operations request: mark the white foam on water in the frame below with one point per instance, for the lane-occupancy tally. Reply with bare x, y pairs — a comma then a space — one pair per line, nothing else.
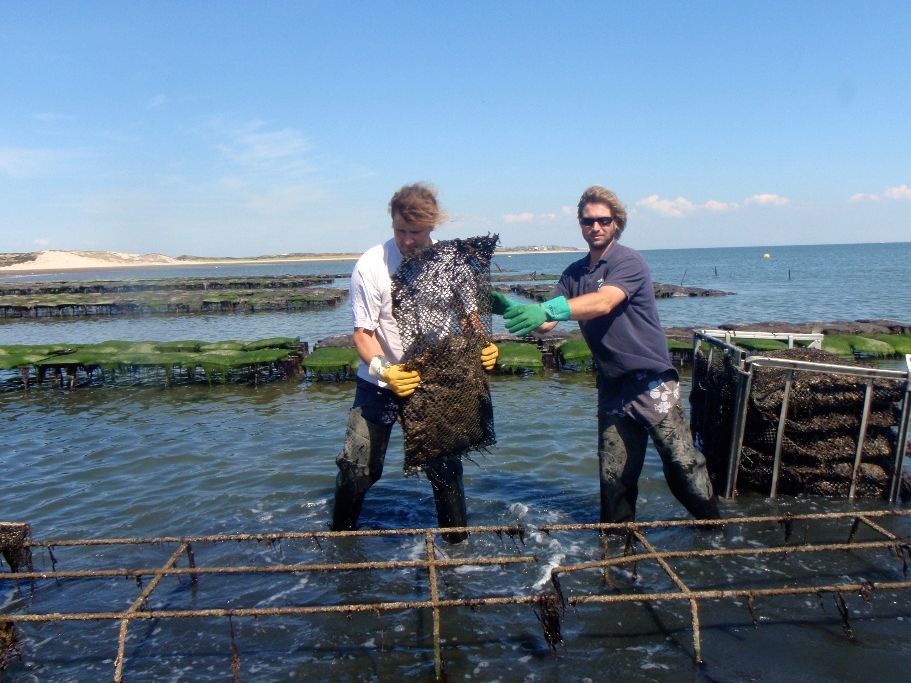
301, 582
479, 667
645, 649
649, 651
262, 515
8, 599
471, 568
518, 510
418, 550
554, 553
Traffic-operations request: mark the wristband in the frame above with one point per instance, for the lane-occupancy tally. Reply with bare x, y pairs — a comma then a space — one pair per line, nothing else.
377, 367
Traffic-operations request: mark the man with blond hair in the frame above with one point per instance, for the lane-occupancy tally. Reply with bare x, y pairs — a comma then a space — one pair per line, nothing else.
610, 294
383, 383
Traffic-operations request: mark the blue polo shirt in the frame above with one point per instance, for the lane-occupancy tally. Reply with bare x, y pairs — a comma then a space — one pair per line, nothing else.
629, 340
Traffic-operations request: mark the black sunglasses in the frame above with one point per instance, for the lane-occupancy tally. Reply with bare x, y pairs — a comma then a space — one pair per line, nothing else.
603, 220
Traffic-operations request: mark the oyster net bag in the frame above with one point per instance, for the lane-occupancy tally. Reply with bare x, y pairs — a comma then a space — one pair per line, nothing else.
820, 436
441, 302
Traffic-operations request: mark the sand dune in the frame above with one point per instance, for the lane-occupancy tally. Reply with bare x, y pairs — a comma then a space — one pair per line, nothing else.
52, 260
75, 260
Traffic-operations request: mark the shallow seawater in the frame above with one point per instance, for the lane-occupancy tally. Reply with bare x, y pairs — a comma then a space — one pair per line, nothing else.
148, 461
140, 462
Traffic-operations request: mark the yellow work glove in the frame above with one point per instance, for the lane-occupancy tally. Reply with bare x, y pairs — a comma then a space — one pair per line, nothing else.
402, 382
489, 355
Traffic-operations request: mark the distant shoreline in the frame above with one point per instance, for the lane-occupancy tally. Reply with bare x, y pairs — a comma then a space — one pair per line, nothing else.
79, 261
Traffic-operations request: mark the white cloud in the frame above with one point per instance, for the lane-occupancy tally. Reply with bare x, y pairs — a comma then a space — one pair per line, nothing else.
22, 162
41, 241
676, 208
681, 206
525, 217
281, 200
864, 197
719, 207
252, 145
568, 210
231, 183
767, 200
899, 192
272, 174
530, 216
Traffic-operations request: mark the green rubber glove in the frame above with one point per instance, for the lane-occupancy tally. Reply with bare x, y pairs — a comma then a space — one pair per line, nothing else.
499, 303
522, 320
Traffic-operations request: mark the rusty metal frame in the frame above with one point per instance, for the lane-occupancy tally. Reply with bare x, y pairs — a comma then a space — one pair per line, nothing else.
744, 364
636, 533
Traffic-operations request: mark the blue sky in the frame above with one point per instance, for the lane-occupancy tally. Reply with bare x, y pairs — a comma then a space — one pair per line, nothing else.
248, 128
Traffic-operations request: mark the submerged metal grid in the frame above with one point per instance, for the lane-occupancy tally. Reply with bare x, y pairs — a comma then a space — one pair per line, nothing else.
550, 605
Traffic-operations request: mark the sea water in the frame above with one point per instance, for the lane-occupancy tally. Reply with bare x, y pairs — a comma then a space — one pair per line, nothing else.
150, 461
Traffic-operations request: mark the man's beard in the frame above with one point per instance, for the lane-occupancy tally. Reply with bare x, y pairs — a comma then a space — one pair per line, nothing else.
602, 242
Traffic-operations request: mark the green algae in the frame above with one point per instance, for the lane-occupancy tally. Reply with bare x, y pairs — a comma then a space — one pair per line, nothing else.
848, 345
118, 356
574, 351
761, 344
516, 357
901, 343
273, 343
332, 359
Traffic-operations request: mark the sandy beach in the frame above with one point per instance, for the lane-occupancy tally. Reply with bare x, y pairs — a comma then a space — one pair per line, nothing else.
57, 260
54, 260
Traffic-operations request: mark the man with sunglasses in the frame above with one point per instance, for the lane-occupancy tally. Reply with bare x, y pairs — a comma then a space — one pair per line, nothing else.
610, 294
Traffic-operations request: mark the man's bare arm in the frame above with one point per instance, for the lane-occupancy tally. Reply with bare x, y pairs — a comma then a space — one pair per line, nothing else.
596, 304
366, 343
522, 320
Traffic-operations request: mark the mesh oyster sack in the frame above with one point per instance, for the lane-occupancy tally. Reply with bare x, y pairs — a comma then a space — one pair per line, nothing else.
819, 442
441, 302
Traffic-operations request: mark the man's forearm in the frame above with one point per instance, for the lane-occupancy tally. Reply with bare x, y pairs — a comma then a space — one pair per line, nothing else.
524, 319
596, 304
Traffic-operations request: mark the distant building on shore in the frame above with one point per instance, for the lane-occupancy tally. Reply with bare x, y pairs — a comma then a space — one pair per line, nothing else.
537, 248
